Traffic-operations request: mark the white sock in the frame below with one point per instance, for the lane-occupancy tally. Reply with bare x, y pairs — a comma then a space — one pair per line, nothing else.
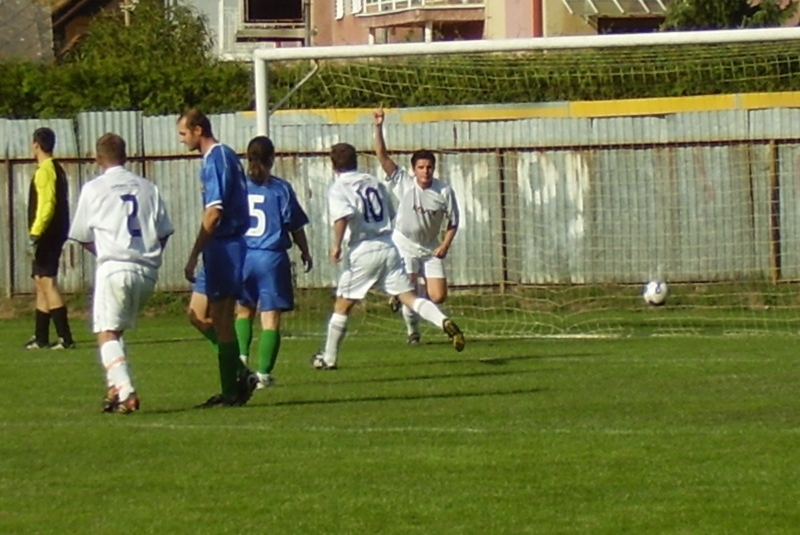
109, 382
337, 328
429, 312
412, 321
116, 367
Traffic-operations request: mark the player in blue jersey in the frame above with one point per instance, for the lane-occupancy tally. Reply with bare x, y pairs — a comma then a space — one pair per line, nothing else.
220, 240
276, 220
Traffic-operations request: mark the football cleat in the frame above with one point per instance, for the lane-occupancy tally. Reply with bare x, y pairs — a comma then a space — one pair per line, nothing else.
455, 334
246, 385
394, 304
111, 400
265, 380
33, 343
62, 344
318, 363
413, 339
129, 405
216, 401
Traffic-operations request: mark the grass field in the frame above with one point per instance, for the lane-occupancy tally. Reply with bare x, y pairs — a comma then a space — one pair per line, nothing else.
677, 435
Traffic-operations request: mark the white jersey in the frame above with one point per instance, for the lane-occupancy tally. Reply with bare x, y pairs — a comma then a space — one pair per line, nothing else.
125, 217
421, 212
365, 202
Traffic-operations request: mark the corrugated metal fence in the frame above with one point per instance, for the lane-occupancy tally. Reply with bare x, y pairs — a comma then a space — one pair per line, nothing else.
692, 196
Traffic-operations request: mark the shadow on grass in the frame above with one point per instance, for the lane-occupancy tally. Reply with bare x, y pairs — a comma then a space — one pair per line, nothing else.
502, 361
401, 397
490, 361
360, 399
427, 377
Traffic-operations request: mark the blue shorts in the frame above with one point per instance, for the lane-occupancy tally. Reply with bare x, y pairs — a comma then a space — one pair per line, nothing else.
221, 275
267, 280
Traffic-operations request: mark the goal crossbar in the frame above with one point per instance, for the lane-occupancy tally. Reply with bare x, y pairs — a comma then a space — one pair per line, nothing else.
263, 56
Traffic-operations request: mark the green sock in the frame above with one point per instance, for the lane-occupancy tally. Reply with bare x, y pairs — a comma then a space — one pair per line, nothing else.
244, 334
229, 365
268, 348
211, 336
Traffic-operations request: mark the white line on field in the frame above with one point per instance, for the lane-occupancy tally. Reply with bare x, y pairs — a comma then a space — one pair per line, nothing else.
126, 422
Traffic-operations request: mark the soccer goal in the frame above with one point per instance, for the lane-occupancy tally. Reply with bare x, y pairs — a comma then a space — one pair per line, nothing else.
573, 196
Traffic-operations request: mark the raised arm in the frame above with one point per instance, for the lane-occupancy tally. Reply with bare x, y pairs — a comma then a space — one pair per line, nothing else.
388, 165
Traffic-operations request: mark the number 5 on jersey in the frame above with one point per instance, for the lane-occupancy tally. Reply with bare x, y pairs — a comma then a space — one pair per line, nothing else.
258, 213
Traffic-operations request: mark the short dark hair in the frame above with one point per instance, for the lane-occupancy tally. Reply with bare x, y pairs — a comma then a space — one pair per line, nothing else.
195, 118
344, 157
423, 154
260, 157
46, 139
111, 149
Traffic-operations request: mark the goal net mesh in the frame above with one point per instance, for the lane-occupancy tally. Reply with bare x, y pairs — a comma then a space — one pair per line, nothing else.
565, 219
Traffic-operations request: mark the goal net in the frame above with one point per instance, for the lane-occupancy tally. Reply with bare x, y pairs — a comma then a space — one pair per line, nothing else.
568, 207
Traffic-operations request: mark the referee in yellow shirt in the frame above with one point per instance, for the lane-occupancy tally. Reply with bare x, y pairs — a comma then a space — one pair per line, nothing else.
48, 225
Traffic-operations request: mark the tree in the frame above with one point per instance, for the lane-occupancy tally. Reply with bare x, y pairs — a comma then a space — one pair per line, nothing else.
720, 14
160, 62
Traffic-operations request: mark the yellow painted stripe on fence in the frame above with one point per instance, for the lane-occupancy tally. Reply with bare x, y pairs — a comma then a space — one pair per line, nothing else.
598, 108
517, 111
755, 101
651, 106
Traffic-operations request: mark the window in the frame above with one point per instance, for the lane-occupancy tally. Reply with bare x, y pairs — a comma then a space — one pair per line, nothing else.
273, 10
339, 9
356, 6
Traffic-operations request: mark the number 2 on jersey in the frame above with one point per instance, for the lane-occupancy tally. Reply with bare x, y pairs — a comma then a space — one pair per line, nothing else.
134, 228
373, 205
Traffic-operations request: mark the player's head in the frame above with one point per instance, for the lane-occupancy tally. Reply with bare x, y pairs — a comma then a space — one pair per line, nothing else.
423, 163
260, 157
110, 150
344, 158
193, 126
44, 139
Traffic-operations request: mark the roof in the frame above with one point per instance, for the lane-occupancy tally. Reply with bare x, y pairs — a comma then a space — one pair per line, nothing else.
25, 31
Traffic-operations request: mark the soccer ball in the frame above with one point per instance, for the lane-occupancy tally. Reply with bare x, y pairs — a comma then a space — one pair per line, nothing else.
655, 293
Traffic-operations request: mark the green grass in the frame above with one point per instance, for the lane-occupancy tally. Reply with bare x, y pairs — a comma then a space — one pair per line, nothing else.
673, 435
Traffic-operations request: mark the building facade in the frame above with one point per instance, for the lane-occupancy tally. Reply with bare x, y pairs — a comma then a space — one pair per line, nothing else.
240, 25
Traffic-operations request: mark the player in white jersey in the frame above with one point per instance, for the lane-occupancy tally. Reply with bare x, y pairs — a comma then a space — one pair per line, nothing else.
425, 205
362, 214
122, 220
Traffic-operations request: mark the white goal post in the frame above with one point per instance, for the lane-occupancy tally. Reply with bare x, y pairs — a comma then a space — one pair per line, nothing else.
263, 56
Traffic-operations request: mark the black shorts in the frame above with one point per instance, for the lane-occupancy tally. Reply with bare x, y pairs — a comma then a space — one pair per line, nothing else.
45, 261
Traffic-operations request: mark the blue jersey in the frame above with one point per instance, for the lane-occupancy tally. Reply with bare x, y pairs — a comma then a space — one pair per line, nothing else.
274, 213
225, 186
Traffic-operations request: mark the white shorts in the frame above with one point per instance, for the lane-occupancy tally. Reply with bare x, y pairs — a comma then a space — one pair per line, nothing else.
429, 267
417, 259
372, 263
120, 291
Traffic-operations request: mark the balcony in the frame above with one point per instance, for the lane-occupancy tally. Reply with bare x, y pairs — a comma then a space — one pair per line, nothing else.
616, 8
271, 21
448, 19
372, 7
